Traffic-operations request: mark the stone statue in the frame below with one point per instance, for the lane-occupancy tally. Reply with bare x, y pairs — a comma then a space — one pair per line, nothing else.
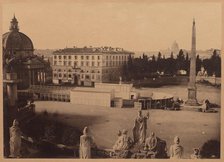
196, 154
205, 106
123, 142
120, 80
151, 143
140, 127
86, 143
10, 64
176, 150
15, 139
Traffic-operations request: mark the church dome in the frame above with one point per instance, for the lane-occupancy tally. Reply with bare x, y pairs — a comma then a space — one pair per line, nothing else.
175, 47
15, 40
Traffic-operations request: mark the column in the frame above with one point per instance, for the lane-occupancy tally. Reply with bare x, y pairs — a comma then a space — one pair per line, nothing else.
38, 76
41, 76
29, 77
44, 78
33, 78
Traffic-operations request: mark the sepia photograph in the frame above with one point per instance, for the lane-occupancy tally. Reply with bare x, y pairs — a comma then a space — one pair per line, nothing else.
111, 79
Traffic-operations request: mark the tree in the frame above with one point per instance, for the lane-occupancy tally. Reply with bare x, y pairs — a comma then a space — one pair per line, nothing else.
170, 65
159, 62
198, 64
127, 69
187, 57
153, 63
213, 64
180, 60
187, 64
124, 73
216, 64
207, 66
143, 66
171, 55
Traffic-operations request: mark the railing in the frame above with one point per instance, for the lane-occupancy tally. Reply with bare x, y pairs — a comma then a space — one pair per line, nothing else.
55, 97
47, 88
51, 93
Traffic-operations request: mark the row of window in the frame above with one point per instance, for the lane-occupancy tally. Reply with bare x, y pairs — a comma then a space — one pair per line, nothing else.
87, 63
76, 57
64, 75
83, 76
87, 57
115, 63
117, 57
69, 70
82, 63
74, 71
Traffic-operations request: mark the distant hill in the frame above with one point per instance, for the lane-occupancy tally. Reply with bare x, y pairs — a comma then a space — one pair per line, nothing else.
202, 53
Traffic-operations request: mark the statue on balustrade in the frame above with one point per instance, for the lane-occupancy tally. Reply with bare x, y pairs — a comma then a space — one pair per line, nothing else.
176, 150
15, 140
196, 154
11, 64
151, 143
124, 142
86, 143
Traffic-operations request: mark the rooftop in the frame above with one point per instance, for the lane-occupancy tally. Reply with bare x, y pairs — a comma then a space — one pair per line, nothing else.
91, 89
91, 49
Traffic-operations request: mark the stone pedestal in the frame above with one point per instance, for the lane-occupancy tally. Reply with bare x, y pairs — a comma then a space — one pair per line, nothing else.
11, 84
192, 93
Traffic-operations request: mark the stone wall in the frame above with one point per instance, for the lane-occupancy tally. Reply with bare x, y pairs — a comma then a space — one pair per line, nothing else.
87, 97
121, 90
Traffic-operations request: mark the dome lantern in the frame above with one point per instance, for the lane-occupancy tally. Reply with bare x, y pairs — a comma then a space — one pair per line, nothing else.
14, 24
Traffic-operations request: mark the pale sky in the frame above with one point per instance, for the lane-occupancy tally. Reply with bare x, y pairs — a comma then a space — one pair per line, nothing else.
137, 26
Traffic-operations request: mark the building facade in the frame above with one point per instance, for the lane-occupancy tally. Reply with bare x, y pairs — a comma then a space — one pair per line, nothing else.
87, 66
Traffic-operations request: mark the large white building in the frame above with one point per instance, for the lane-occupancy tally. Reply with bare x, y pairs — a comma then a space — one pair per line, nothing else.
103, 94
87, 66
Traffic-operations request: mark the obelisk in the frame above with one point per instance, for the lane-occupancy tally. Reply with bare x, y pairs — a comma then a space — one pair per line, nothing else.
192, 89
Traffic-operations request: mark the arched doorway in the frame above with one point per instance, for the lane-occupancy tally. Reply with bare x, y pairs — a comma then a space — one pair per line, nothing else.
75, 81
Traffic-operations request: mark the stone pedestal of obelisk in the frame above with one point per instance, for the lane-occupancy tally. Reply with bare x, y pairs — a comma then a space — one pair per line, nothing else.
192, 89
